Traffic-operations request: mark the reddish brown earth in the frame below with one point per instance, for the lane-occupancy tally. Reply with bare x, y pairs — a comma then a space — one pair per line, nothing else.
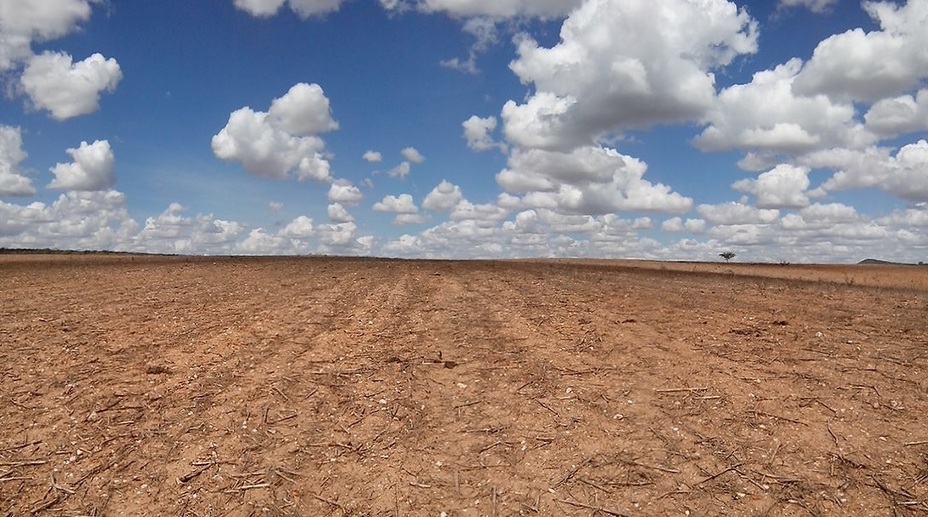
232, 386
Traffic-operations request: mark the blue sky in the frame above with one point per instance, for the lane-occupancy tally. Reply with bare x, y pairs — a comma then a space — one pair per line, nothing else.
666, 129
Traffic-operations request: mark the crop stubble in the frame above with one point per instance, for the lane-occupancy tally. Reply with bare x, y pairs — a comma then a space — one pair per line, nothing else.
311, 386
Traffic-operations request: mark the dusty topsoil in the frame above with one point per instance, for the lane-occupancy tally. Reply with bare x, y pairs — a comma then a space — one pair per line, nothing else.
313, 386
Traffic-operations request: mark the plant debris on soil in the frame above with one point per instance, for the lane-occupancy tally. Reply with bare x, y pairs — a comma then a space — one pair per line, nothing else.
332, 386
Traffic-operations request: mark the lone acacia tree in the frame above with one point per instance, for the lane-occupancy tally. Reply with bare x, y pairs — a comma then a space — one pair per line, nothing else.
727, 255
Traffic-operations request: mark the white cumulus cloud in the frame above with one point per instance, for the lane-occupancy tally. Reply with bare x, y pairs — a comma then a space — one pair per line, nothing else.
895, 116
76, 220
737, 214
303, 8
674, 224
785, 186
484, 215
589, 180
344, 192
816, 6
904, 174
622, 65
25, 21
337, 235
862, 65
677, 224
299, 228
402, 204
12, 180
400, 171
339, 214
402, 207
92, 168
173, 232
767, 116
303, 110
443, 198
260, 242
477, 132
412, 155
283, 140
487, 8
66, 89
372, 157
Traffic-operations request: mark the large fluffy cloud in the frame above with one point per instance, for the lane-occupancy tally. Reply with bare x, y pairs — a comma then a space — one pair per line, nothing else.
299, 228
12, 181
895, 116
25, 21
335, 236
339, 214
785, 186
588, 180
443, 198
801, 116
92, 168
66, 89
870, 66
402, 204
766, 115
622, 65
904, 174
283, 140
342, 191
303, 110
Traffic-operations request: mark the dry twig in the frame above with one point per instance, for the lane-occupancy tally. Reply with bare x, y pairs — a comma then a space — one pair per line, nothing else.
331, 502
186, 478
655, 467
578, 504
542, 404
20, 446
22, 463
572, 472
832, 433
717, 474
244, 488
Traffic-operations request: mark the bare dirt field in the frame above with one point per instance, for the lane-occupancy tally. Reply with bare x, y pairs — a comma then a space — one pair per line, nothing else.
314, 386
